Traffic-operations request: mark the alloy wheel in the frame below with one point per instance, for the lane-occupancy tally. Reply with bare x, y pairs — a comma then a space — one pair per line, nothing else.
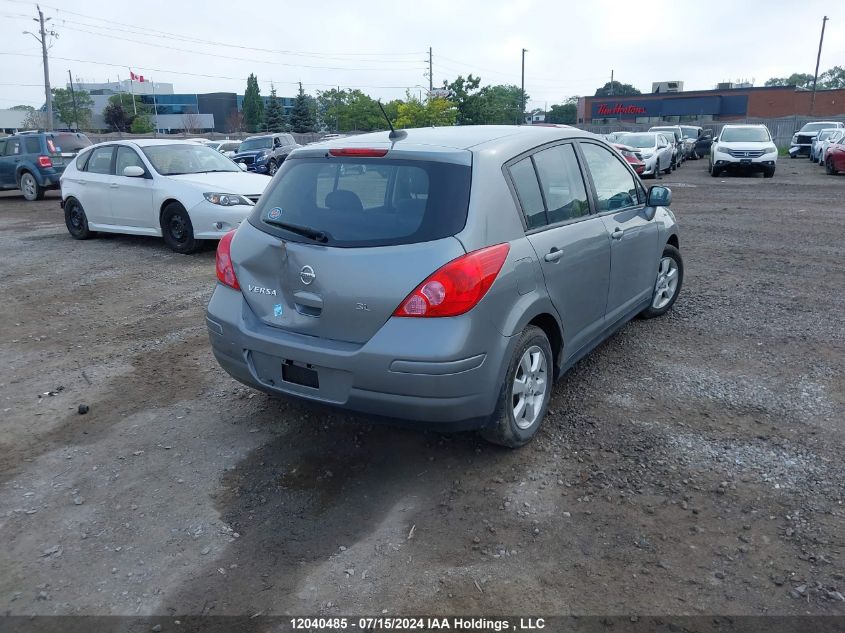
530, 384
29, 186
667, 283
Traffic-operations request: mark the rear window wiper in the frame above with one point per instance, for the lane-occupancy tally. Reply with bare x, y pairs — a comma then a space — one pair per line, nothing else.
313, 234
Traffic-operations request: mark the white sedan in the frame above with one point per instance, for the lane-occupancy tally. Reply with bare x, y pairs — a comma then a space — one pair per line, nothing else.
181, 191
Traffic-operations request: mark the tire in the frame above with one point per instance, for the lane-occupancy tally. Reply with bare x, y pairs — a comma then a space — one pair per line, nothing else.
792, 156
828, 167
32, 191
715, 171
661, 300
530, 368
272, 167
177, 230
769, 173
76, 221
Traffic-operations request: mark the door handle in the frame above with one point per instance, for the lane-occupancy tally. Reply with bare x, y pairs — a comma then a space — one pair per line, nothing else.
553, 255
617, 234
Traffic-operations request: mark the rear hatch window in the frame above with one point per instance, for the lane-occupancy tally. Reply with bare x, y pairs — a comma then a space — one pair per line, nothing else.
354, 202
66, 143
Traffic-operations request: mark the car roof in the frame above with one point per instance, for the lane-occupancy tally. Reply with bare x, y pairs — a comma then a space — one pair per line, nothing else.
148, 142
460, 137
743, 125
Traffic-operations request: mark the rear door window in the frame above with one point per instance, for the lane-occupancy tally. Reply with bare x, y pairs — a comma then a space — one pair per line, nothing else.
68, 142
13, 147
358, 202
562, 183
100, 161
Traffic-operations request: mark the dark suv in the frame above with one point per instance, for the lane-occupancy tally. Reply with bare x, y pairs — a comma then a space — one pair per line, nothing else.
264, 154
34, 161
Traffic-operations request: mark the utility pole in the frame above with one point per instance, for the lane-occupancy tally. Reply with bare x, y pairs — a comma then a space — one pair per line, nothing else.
611, 82
522, 91
73, 96
816, 76
48, 95
430, 74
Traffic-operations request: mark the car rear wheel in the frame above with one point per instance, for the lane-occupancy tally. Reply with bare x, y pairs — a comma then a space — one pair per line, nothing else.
829, 168
667, 287
177, 230
524, 395
76, 220
31, 189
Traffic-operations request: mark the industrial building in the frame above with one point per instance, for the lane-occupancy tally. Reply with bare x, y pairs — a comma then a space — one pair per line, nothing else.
729, 102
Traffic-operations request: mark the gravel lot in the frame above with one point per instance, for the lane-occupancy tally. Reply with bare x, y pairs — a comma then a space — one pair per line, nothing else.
691, 465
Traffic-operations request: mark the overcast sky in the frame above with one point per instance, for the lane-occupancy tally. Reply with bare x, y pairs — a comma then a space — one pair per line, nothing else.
382, 47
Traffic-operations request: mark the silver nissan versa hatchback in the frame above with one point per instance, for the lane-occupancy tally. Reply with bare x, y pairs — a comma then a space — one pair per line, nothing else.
444, 276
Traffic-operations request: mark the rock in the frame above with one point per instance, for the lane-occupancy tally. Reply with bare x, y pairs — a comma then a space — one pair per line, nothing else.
476, 540
801, 589
835, 595
83, 409
205, 550
156, 628
78, 501
567, 514
720, 575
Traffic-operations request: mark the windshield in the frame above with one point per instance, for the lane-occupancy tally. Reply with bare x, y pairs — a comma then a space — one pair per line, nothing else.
689, 132
815, 127
67, 142
355, 202
745, 134
187, 158
265, 142
824, 134
640, 140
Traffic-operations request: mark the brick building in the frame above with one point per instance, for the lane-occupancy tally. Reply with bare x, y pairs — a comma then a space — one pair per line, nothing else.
711, 105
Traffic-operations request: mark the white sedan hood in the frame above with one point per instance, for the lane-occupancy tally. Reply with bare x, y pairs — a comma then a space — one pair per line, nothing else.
240, 182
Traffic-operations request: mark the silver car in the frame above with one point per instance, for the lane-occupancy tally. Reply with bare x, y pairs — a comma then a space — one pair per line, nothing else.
656, 150
445, 276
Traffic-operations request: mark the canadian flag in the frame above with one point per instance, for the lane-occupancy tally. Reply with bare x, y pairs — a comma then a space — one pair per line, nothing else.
134, 77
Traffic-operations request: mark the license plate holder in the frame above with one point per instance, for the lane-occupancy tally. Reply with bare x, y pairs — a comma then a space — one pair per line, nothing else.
745, 161
299, 375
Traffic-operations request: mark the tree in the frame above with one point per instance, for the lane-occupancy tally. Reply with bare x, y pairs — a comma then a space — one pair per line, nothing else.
501, 105
191, 122
435, 112
73, 108
235, 122
619, 90
833, 78
25, 108
565, 113
800, 80
118, 119
302, 116
465, 94
35, 120
142, 124
275, 115
253, 105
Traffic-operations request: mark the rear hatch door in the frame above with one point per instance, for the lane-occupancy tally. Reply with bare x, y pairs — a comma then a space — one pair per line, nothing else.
336, 243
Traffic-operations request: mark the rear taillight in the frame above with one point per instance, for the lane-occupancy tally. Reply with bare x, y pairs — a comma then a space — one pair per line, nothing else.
225, 270
44, 161
358, 151
457, 287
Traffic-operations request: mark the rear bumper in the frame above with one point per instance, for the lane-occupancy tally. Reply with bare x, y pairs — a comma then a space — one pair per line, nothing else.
441, 373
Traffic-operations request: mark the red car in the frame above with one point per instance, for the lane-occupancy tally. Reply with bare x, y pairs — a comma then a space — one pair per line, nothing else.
632, 156
834, 158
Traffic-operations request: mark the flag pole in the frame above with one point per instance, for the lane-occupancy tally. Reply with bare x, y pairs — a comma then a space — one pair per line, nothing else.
132, 91
155, 108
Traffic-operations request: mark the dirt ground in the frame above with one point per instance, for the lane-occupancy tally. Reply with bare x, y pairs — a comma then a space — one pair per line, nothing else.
691, 465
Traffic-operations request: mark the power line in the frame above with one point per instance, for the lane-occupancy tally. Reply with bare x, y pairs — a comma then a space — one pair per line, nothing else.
170, 35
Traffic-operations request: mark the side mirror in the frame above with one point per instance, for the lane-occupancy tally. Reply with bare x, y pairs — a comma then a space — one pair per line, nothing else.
242, 166
659, 196
133, 171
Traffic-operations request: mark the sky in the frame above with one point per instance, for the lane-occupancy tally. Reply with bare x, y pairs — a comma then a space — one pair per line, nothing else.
382, 46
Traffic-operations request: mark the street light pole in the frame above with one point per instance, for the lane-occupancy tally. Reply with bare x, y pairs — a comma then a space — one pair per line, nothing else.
816, 76
522, 90
73, 96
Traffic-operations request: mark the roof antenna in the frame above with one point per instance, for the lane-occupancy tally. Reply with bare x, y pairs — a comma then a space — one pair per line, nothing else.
394, 135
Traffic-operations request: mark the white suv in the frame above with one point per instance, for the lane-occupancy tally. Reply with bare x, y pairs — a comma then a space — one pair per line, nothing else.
747, 148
